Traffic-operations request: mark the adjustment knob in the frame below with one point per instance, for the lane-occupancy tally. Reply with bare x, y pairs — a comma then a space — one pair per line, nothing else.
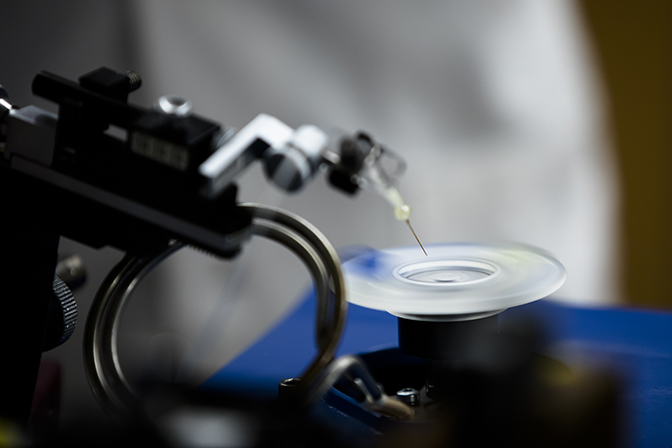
292, 165
62, 316
289, 169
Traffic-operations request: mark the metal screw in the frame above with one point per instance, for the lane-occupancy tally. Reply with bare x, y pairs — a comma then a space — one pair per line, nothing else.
409, 396
135, 81
173, 105
287, 388
290, 382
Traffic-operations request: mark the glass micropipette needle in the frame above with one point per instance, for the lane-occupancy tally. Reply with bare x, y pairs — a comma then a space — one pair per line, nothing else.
401, 211
408, 221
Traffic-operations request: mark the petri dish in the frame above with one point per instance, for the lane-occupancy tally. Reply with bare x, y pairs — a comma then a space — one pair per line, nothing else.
456, 281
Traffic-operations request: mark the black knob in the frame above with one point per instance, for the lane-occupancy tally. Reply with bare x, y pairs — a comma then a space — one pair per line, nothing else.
62, 316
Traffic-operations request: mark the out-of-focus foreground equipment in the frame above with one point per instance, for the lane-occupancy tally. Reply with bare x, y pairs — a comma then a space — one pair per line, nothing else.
450, 366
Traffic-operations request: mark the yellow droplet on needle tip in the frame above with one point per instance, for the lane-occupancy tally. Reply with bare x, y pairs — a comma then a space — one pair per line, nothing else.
403, 212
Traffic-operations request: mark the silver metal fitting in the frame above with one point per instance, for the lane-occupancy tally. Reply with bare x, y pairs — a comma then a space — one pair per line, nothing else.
173, 105
5, 108
31, 133
292, 165
409, 396
5, 105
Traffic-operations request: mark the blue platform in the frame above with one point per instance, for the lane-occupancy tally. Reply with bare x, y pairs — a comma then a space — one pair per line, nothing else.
636, 343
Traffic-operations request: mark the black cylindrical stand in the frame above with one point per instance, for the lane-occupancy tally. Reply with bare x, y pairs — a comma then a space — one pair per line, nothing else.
440, 340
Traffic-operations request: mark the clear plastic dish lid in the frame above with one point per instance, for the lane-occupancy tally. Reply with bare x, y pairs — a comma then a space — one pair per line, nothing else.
456, 281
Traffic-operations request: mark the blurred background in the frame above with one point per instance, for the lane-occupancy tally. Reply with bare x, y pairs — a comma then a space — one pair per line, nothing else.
545, 123
633, 52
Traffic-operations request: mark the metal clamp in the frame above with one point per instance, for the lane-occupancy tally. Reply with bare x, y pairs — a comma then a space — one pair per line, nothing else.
375, 399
